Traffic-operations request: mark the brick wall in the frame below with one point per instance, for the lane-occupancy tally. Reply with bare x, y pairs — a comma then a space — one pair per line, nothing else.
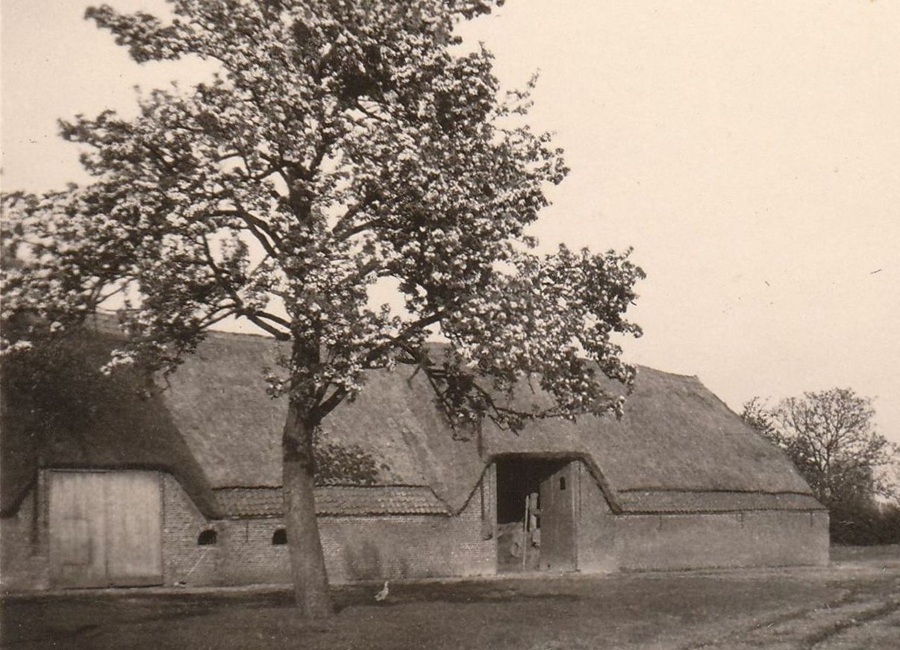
410, 546
248, 555
183, 560
419, 546
596, 526
24, 545
609, 542
763, 538
356, 548
242, 554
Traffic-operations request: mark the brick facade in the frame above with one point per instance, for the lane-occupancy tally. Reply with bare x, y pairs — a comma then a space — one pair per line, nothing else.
642, 542
408, 546
373, 547
356, 548
24, 545
748, 539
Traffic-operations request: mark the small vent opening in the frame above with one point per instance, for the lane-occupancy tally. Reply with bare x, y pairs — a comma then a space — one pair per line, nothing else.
208, 537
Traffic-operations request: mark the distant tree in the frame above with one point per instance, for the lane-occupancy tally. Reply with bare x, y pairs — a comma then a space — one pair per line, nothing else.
757, 414
830, 437
342, 147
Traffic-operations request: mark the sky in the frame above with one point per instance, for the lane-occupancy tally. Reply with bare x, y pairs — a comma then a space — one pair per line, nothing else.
748, 150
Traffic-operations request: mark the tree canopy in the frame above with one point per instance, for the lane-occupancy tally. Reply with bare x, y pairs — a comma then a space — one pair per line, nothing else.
830, 437
341, 148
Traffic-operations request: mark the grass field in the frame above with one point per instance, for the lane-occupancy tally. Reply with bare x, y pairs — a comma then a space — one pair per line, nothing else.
854, 604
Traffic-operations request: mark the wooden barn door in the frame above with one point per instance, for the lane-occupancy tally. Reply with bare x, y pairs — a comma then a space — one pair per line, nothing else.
105, 529
77, 525
558, 490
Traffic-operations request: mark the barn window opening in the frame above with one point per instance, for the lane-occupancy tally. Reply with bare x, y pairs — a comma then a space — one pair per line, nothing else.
279, 537
562, 483
208, 537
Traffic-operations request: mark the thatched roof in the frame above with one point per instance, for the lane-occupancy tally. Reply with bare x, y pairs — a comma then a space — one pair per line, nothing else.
675, 438
677, 448
218, 401
74, 417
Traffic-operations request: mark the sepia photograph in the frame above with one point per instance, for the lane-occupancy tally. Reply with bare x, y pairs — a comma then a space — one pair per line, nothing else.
450, 324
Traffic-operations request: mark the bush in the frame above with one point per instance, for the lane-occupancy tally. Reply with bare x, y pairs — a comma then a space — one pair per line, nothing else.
854, 525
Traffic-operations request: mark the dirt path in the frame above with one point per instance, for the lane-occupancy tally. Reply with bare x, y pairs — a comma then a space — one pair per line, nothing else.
865, 616
849, 606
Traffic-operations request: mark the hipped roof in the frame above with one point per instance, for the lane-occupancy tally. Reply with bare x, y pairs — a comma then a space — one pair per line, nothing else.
218, 401
677, 448
676, 437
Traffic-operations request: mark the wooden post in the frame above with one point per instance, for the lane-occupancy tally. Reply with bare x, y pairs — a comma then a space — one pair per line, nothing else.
525, 531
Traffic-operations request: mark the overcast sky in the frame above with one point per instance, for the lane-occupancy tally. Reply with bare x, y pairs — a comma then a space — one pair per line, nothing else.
748, 151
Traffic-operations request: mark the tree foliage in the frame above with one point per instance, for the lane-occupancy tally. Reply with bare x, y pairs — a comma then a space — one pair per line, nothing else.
830, 437
340, 148
344, 464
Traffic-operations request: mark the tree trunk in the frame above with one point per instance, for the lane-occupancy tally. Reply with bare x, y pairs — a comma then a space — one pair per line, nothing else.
304, 544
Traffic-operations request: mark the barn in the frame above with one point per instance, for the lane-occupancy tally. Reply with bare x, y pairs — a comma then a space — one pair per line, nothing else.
118, 483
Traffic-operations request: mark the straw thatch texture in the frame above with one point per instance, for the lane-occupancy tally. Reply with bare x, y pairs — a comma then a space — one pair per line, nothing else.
218, 401
677, 448
77, 418
675, 435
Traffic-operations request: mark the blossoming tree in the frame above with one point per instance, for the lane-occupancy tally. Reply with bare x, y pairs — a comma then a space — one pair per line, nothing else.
341, 148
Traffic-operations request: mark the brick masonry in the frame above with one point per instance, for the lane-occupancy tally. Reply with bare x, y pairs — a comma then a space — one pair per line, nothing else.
356, 548
640, 542
24, 545
428, 545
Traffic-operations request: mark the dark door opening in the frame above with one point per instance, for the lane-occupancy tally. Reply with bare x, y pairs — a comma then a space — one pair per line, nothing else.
535, 514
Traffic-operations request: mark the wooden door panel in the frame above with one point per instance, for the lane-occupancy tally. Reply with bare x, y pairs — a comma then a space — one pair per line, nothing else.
558, 520
133, 509
77, 529
105, 528
74, 547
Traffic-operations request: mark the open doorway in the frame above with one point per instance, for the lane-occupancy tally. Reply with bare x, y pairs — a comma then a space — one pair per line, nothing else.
535, 514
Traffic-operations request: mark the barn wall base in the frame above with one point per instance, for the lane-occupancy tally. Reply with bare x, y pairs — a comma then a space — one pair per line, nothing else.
406, 546
422, 546
749, 539
24, 551
646, 542
356, 548
597, 528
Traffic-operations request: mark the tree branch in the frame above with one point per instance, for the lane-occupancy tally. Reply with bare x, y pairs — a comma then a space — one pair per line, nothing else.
401, 337
254, 316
